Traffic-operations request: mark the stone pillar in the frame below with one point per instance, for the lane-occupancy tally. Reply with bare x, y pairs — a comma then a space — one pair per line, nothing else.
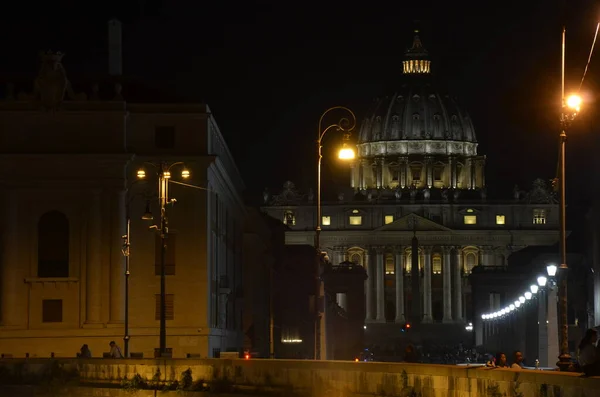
457, 290
403, 167
369, 286
117, 260
427, 285
472, 179
380, 274
379, 173
385, 175
361, 174
399, 271
94, 260
11, 280
453, 172
367, 173
429, 171
447, 282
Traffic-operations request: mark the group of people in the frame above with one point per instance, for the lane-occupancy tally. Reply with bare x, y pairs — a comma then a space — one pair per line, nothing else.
115, 351
500, 361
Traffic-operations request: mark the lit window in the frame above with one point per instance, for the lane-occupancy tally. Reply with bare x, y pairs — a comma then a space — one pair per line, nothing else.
356, 220
470, 219
389, 219
326, 220
471, 262
416, 173
500, 219
289, 218
436, 264
389, 264
539, 216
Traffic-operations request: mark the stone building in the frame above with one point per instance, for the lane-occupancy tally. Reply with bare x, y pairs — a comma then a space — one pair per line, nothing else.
69, 158
418, 174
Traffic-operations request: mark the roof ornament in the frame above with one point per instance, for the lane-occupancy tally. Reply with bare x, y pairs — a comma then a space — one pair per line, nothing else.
540, 193
51, 83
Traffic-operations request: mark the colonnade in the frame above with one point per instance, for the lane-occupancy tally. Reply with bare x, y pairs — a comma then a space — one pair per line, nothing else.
374, 262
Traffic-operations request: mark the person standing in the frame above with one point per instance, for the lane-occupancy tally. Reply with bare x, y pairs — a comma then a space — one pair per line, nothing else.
518, 363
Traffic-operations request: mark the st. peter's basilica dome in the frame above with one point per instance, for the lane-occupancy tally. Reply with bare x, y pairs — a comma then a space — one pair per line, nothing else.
418, 137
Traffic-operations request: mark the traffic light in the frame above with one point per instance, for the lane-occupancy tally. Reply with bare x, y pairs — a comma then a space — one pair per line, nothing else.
405, 327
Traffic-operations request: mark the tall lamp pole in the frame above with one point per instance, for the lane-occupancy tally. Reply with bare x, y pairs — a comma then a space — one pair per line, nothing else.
346, 126
570, 108
164, 176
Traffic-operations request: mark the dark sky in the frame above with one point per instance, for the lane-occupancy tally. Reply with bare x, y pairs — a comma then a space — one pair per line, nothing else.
268, 70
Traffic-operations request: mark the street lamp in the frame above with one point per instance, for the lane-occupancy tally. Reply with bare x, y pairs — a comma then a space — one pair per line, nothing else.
534, 288
164, 176
126, 249
346, 126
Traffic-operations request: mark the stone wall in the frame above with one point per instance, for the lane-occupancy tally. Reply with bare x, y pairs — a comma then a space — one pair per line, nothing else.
338, 378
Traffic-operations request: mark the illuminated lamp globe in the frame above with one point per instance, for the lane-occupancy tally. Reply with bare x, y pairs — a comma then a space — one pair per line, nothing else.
541, 280
574, 102
185, 173
551, 269
512, 307
346, 153
534, 288
522, 299
528, 295
517, 303
141, 174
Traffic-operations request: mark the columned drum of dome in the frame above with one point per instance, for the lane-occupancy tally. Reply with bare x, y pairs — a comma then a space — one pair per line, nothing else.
417, 137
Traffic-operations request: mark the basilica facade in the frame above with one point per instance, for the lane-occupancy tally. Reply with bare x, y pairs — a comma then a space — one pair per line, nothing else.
416, 214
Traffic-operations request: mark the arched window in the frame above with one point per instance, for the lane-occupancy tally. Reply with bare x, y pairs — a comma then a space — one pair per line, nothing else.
408, 261
53, 245
471, 262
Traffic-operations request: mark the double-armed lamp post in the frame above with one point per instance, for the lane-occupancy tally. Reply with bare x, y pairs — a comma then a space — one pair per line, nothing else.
344, 125
164, 176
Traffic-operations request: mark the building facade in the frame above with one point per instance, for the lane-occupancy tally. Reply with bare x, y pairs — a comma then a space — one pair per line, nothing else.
69, 161
416, 214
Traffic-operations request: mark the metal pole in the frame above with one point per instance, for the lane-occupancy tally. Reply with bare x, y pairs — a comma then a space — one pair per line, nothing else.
564, 360
318, 317
126, 251
163, 192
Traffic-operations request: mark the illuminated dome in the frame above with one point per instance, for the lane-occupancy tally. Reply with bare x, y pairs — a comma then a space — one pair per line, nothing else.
418, 137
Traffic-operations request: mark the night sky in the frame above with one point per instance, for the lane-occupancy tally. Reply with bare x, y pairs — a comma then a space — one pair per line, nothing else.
269, 69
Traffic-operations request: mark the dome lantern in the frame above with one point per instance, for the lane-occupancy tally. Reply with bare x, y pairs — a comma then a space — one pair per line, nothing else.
417, 58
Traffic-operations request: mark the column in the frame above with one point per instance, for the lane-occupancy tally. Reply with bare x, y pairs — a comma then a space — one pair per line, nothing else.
379, 173
385, 175
94, 262
380, 274
427, 285
552, 318
447, 282
367, 173
353, 175
542, 327
10, 261
453, 172
403, 169
457, 290
369, 286
429, 171
361, 174
399, 271
117, 260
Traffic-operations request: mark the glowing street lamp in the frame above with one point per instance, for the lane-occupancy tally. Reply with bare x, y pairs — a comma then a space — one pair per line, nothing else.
551, 270
541, 280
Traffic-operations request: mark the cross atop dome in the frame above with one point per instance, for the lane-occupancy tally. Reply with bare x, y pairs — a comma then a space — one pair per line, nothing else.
417, 58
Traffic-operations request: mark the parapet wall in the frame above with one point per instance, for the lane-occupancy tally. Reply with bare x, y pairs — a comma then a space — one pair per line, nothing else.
340, 378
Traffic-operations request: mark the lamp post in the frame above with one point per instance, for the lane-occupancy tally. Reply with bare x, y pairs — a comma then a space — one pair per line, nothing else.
570, 108
346, 126
126, 253
164, 176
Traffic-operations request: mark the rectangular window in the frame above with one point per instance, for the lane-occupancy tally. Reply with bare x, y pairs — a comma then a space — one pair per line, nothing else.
437, 173
356, 220
500, 219
436, 264
169, 308
539, 216
389, 219
52, 311
164, 137
470, 219
326, 220
171, 243
389, 264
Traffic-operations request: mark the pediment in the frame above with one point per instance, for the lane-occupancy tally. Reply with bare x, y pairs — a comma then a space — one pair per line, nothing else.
413, 222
